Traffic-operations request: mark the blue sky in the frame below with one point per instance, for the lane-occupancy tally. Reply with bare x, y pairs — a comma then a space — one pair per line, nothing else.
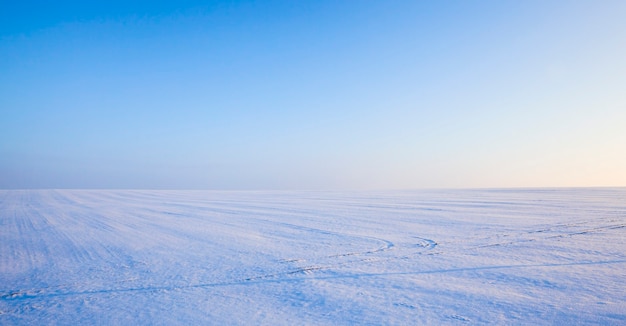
312, 95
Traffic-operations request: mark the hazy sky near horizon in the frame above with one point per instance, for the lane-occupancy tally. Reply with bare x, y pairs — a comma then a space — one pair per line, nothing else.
312, 94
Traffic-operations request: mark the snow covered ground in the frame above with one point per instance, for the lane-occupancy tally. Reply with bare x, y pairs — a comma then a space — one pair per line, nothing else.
523, 256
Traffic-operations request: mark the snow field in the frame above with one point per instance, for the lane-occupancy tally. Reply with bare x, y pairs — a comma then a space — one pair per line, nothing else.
519, 256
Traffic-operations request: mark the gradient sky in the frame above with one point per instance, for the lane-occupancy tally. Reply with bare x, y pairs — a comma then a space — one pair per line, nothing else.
312, 94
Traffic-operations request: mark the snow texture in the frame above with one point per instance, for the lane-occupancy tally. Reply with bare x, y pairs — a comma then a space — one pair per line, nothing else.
517, 256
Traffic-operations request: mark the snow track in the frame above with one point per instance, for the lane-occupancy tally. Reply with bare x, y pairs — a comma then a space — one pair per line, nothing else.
196, 257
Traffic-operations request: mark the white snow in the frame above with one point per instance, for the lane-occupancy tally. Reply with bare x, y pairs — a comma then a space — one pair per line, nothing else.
518, 256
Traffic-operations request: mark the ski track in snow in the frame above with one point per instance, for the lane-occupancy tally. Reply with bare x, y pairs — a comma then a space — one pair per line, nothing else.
539, 256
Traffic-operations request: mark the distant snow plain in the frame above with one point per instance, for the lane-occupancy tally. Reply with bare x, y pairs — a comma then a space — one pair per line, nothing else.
139, 257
